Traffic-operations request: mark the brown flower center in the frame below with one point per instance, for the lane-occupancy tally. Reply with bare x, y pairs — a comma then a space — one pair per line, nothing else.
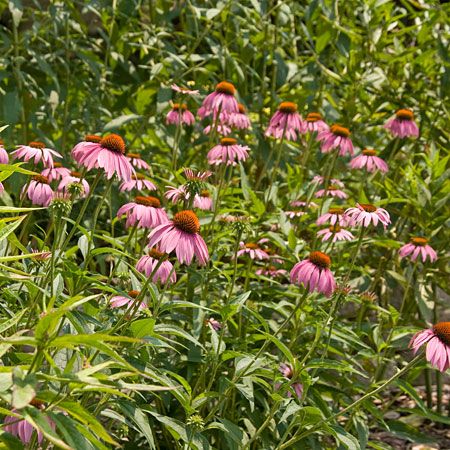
205, 193
287, 107
336, 211
340, 131
421, 241
178, 106
1, 142
225, 88
75, 174
368, 207
187, 221
93, 138
404, 114
134, 155
442, 331
41, 179
148, 201
138, 176
154, 253
335, 228
36, 144
57, 165
241, 108
114, 143
228, 141
332, 187
313, 117
369, 152
320, 259
252, 245
133, 294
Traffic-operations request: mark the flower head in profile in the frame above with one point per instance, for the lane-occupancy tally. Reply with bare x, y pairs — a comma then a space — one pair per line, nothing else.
176, 194
333, 216
84, 147
109, 155
320, 179
222, 100
287, 372
222, 129
335, 233
369, 160
150, 265
315, 123
137, 161
437, 340
365, 214
183, 90
145, 212
67, 184
39, 191
128, 300
4, 157
203, 200
57, 172
179, 114
403, 124
181, 234
253, 250
228, 152
337, 137
239, 120
331, 191
298, 208
286, 122
138, 182
418, 247
192, 175
314, 274
271, 271
213, 323
36, 151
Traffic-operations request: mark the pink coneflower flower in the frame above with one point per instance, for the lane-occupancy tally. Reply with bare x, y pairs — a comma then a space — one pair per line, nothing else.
438, 345
239, 120
418, 246
57, 172
74, 178
203, 201
286, 121
253, 250
271, 271
365, 214
368, 160
38, 151
83, 148
138, 182
314, 273
4, 157
402, 125
213, 323
315, 123
145, 212
176, 194
331, 191
120, 300
321, 180
298, 208
222, 129
39, 191
39, 255
228, 152
148, 263
181, 234
336, 137
108, 154
287, 371
333, 216
335, 232
21, 429
179, 114
185, 91
136, 161
222, 99
192, 175
292, 214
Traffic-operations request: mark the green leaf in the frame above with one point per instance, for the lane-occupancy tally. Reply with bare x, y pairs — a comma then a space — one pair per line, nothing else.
24, 388
120, 121
142, 327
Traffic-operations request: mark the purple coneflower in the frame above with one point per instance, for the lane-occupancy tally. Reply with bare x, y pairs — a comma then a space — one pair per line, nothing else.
287, 371
336, 137
185, 91
213, 323
228, 152
364, 214
138, 182
203, 201
57, 172
253, 250
192, 175
239, 120
176, 194
402, 125
333, 216
271, 271
336, 233
39, 191
438, 344
4, 157
320, 179
369, 160
331, 191
86, 146
314, 273
145, 212
221, 100
120, 300
418, 246
315, 123
36, 151
286, 121
148, 263
181, 234
136, 161
71, 179
179, 114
